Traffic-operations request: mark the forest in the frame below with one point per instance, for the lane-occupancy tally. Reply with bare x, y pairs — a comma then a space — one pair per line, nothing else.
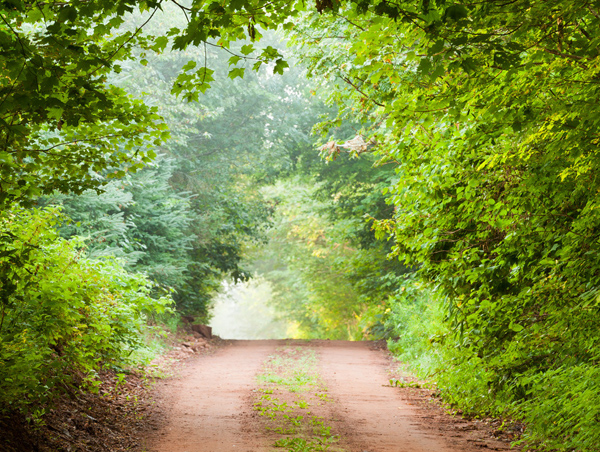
421, 172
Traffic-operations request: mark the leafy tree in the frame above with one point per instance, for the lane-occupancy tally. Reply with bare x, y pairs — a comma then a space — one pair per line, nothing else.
140, 218
310, 290
352, 191
487, 111
330, 273
59, 120
59, 116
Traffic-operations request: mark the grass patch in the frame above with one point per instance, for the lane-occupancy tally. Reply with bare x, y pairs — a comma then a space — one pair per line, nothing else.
289, 387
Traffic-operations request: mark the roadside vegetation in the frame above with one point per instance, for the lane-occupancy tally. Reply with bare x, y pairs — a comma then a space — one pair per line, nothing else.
485, 113
68, 313
150, 149
97, 266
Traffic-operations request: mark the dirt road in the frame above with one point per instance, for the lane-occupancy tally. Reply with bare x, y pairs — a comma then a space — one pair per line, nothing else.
212, 405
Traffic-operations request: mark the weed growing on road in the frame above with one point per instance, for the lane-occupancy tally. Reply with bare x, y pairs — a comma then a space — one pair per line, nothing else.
292, 371
324, 397
394, 382
302, 404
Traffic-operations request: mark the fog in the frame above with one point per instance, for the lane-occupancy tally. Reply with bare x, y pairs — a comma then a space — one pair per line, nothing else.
241, 311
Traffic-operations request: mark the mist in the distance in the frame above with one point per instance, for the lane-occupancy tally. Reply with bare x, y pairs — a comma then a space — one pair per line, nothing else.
241, 311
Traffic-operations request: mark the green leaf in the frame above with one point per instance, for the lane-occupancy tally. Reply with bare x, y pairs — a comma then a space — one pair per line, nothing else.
280, 66
456, 12
189, 66
236, 72
160, 43
247, 49
515, 327
233, 60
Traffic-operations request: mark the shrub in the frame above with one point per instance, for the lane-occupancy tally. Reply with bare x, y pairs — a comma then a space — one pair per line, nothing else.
560, 407
62, 315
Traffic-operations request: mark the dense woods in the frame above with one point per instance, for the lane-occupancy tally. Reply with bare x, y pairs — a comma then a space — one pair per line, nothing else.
150, 149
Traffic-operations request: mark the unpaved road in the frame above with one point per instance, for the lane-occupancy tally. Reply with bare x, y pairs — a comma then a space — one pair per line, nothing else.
208, 408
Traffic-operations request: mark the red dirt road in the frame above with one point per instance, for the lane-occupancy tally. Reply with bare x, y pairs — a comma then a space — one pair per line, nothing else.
209, 406
208, 402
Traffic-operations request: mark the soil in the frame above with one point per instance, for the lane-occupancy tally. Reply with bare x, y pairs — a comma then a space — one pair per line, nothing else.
113, 419
208, 407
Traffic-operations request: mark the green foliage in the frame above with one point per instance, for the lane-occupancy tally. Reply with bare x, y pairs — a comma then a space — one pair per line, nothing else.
139, 218
323, 247
563, 409
424, 341
560, 407
186, 219
59, 120
79, 127
62, 315
143, 220
240, 133
302, 253
353, 194
488, 112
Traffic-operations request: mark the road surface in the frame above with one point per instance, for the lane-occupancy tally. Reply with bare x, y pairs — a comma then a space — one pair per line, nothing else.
209, 405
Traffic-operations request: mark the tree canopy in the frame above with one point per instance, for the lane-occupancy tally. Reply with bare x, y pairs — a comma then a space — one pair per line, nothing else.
526, 69
487, 112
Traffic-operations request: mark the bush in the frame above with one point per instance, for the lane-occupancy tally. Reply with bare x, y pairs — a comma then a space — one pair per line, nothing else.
563, 409
560, 407
62, 315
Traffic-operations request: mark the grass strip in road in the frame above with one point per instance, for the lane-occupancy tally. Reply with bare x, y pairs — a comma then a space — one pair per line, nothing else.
289, 396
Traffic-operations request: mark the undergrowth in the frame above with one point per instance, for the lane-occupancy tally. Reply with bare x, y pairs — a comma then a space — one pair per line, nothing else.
558, 403
63, 316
